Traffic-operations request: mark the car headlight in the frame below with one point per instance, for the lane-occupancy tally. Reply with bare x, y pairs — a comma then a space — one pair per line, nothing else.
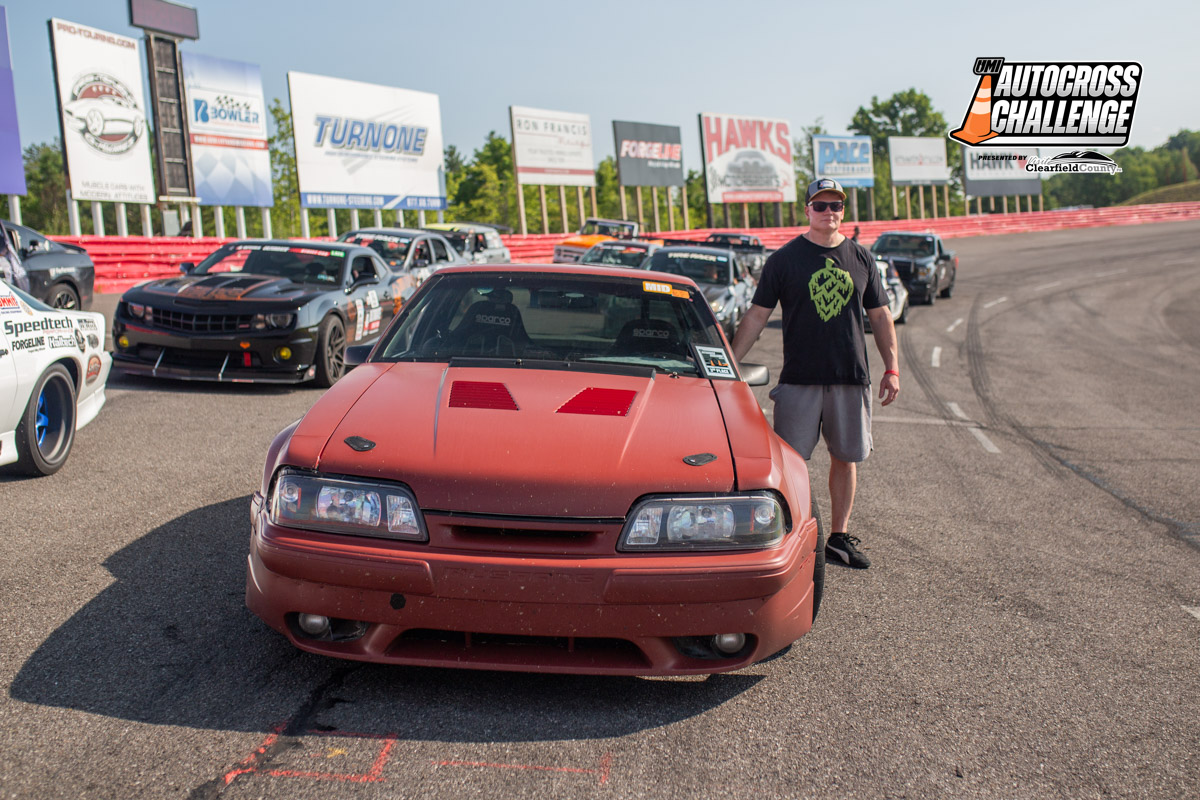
719, 522
138, 311
346, 505
925, 270
262, 322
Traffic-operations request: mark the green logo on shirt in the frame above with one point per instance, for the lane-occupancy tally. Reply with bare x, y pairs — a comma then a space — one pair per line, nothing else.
830, 289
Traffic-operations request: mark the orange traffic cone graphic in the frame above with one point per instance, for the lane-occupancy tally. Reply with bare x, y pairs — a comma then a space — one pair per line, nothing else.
977, 127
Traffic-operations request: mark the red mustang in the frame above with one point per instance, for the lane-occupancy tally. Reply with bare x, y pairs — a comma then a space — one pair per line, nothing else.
540, 468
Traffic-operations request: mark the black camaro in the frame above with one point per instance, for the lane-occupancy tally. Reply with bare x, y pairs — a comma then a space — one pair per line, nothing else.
263, 311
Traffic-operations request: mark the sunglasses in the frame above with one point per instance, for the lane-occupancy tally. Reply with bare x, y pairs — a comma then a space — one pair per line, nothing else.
821, 205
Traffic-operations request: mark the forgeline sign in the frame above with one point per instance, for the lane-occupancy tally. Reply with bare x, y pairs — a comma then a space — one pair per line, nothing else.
1051, 103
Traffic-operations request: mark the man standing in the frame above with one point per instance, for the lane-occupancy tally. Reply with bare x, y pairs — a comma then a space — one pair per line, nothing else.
824, 281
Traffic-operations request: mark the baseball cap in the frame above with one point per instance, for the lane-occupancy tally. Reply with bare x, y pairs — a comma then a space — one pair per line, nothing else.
823, 185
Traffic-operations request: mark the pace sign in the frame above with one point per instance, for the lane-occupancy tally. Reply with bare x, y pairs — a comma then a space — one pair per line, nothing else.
847, 159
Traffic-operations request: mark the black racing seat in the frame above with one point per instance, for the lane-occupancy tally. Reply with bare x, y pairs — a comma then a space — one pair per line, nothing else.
645, 335
491, 327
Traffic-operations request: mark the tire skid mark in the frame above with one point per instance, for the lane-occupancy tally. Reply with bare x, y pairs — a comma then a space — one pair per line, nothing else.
913, 364
1048, 453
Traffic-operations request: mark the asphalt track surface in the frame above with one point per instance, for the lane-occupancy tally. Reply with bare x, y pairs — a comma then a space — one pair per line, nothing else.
1030, 627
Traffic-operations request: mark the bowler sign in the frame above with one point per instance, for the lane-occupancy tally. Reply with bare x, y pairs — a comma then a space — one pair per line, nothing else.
747, 159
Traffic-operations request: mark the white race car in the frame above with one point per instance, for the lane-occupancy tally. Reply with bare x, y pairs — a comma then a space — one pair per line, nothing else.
53, 368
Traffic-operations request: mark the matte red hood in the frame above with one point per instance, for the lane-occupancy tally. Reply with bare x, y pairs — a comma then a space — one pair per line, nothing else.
535, 460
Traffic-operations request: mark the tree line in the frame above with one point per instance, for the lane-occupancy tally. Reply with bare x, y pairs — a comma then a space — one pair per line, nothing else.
481, 187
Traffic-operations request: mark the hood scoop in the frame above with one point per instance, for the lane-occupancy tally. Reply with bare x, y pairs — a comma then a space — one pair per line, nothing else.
359, 443
600, 402
699, 459
481, 394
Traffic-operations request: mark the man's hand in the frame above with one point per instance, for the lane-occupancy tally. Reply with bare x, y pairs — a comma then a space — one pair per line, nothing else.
889, 388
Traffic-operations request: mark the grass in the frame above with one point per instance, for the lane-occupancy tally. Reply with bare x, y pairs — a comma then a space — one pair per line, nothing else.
1175, 193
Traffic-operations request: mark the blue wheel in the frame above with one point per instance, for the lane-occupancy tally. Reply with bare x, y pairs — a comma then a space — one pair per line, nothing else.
47, 429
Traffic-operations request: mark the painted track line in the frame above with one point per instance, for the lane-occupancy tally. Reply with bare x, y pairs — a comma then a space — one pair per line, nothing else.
1193, 610
936, 359
1045, 286
998, 302
956, 411
983, 440
954, 325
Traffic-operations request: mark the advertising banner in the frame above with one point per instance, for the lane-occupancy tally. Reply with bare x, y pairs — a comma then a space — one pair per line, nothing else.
552, 147
648, 155
849, 160
12, 167
360, 145
998, 172
103, 114
747, 159
918, 160
227, 122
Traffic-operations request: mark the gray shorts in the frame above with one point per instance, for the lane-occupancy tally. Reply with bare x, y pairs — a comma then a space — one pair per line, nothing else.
842, 413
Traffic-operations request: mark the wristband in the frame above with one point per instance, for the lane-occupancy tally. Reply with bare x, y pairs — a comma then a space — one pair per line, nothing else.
891, 372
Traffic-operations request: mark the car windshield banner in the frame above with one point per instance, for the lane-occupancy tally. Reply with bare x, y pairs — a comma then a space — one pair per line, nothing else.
849, 160
747, 159
552, 147
918, 160
12, 167
361, 145
103, 114
999, 172
227, 121
648, 155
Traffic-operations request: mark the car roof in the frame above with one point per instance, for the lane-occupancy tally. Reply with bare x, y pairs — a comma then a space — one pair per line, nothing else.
316, 245
620, 273
624, 243
391, 231
694, 248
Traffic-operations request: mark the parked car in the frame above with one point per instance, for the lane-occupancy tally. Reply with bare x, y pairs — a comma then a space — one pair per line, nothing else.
478, 244
60, 275
749, 249
897, 293
592, 232
926, 266
726, 283
53, 369
540, 468
620, 253
411, 253
257, 311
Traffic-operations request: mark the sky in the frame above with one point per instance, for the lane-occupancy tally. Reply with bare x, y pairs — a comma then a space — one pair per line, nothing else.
649, 61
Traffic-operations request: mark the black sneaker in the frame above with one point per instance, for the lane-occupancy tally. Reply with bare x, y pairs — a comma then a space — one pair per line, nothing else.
843, 547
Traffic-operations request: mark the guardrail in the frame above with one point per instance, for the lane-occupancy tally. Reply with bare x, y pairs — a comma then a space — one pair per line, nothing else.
123, 261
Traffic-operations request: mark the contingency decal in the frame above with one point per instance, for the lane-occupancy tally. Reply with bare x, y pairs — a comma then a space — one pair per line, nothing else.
93, 370
373, 315
715, 362
830, 289
659, 288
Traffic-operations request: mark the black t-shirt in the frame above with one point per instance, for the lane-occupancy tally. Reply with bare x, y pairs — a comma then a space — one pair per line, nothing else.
823, 291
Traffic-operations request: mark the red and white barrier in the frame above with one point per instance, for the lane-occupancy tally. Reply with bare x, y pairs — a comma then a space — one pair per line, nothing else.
122, 261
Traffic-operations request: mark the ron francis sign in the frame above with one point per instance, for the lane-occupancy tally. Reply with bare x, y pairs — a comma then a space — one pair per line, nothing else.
1051, 103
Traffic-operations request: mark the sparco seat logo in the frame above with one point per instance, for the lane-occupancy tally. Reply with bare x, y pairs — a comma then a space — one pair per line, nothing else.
1051, 103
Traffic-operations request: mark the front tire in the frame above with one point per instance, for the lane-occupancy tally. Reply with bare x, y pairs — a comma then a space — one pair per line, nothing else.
47, 428
64, 296
949, 290
903, 318
331, 352
819, 563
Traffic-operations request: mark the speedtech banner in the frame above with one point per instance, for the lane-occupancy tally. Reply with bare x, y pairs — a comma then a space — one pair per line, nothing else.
747, 159
361, 145
103, 114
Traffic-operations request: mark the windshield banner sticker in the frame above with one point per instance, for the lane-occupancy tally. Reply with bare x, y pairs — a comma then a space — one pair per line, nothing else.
715, 362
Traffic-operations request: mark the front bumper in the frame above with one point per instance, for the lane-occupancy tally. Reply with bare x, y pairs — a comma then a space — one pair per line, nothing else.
619, 614
163, 354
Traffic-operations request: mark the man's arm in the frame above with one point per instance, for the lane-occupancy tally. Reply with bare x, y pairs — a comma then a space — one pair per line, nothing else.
885, 340
749, 329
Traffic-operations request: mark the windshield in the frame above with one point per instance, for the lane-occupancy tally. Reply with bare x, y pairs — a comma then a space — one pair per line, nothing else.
393, 249
616, 256
613, 229
904, 245
550, 317
729, 238
299, 264
700, 267
459, 240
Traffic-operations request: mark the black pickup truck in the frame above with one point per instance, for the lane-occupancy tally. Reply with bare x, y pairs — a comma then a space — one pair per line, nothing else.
749, 249
926, 266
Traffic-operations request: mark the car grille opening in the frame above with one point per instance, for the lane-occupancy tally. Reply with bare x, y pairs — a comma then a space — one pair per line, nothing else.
201, 323
505, 649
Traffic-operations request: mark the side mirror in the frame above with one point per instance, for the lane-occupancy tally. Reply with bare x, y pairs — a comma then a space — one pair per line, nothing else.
186, 267
420, 262
755, 374
357, 354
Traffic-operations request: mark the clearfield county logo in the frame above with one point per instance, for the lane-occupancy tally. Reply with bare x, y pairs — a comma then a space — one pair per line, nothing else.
103, 111
1051, 103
